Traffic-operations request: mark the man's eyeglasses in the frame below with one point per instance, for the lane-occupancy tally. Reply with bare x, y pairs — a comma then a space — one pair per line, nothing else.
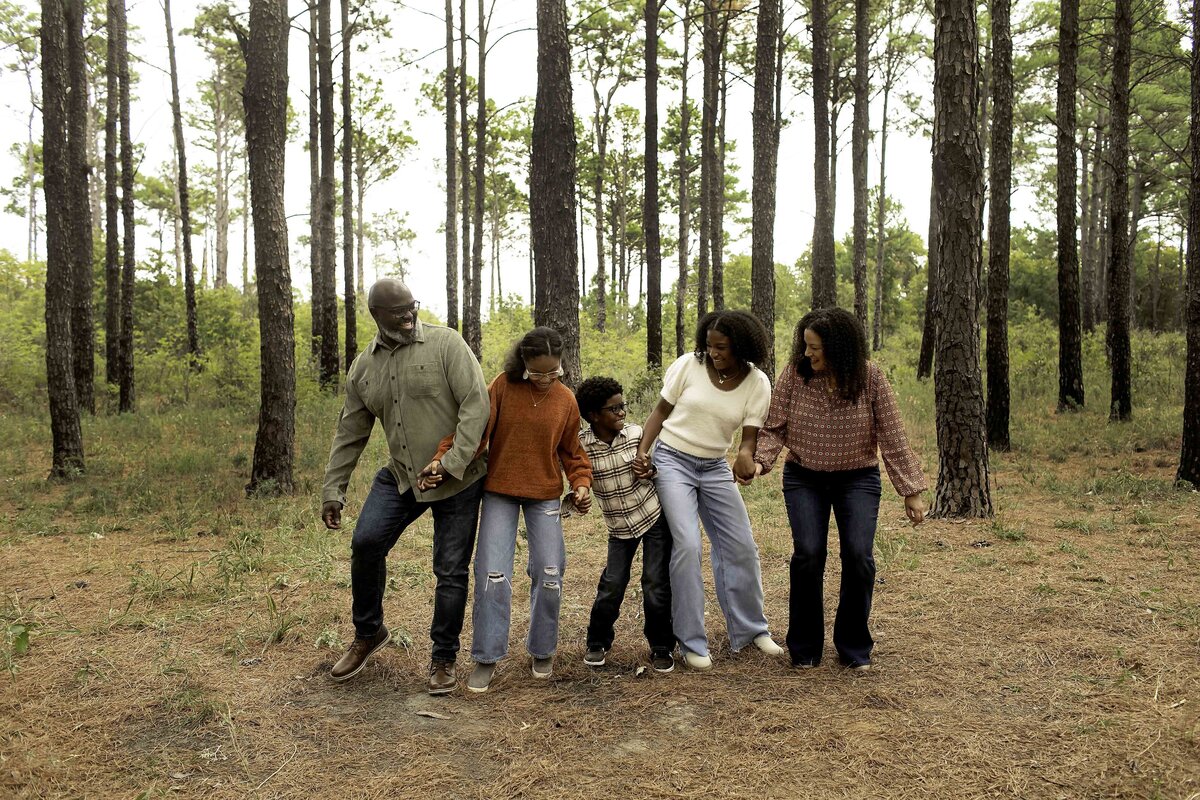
411, 308
619, 408
541, 376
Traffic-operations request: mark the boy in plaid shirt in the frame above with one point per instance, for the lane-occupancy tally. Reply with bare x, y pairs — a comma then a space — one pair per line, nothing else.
632, 514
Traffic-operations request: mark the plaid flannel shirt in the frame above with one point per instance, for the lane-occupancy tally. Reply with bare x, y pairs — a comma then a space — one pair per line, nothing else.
630, 506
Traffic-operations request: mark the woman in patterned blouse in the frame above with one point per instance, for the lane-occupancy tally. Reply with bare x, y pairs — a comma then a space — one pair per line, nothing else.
833, 410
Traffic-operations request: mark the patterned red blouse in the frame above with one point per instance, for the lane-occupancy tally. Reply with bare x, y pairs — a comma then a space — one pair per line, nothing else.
824, 432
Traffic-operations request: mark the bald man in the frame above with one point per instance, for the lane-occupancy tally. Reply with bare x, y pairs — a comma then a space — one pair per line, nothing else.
422, 383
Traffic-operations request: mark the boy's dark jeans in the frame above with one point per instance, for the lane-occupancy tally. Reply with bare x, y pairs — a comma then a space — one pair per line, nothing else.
385, 515
656, 589
853, 496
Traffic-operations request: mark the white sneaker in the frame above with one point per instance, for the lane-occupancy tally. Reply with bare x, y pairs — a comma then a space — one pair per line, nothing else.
765, 643
697, 662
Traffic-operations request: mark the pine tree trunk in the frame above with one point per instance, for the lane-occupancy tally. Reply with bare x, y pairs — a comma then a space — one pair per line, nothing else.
112, 242
650, 225
1189, 454
552, 186
859, 157
265, 98
83, 333
824, 273
360, 188
246, 284
1121, 406
766, 161
181, 181
708, 152
1070, 353
880, 224
464, 165
67, 459
472, 312
600, 129
350, 302
716, 235
451, 175
685, 135
962, 485
1087, 257
933, 280
328, 364
221, 181
316, 299
126, 394
1000, 187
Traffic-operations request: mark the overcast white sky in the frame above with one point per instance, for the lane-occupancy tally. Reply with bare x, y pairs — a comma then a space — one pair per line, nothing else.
417, 33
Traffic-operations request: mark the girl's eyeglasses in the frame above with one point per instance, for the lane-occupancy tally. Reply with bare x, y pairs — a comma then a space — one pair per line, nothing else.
541, 376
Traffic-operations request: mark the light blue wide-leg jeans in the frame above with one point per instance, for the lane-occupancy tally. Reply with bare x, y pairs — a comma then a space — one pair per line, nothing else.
492, 610
693, 489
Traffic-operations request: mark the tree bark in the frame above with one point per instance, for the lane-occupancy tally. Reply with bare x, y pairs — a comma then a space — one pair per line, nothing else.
265, 99
650, 224
83, 333
112, 241
472, 310
552, 186
314, 186
464, 164
933, 280
1088, 189
859, 157
716, 234
708, 152
1000, 187
328, 329
451, 175
1070, 352
766, 161
685, 135
962, 485
824, 272
181, 181
67, 448
1121, 406
126, 393
351, 296
1189, 453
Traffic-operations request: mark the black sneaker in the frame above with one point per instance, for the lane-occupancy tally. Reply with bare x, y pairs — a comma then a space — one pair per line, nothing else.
595, 657
662, 662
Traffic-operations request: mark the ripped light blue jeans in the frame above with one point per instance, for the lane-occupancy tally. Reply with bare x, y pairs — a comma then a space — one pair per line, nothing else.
492, 612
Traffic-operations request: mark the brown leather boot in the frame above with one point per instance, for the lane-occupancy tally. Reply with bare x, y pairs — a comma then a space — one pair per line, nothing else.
356, 657
442, 678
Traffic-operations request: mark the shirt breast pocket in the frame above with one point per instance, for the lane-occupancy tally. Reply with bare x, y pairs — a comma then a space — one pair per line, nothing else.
422, 380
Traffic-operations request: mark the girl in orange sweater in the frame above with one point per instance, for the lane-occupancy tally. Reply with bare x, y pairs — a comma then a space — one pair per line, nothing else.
532, 438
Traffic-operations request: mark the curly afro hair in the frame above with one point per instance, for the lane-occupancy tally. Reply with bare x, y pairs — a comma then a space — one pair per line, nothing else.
540, 341
592, 394
747, 336
845, 344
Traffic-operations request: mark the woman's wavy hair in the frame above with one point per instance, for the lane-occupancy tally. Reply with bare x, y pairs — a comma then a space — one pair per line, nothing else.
540, 341
747, 336
845, 345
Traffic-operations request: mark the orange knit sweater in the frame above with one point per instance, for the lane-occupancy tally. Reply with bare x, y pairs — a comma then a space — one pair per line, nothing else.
528, 443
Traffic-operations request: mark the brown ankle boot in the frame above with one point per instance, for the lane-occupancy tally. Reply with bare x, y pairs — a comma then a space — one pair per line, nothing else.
356, 657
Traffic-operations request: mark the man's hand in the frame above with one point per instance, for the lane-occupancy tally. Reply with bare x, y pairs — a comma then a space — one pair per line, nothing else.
914, 508
431, 476
331, 515
582, 499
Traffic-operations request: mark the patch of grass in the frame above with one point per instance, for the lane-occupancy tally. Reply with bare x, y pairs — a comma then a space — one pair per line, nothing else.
1126, 485
1009, 533
1079, 525
895, 551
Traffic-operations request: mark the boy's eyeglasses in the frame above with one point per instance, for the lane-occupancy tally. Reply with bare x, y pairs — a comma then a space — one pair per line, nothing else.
619, 408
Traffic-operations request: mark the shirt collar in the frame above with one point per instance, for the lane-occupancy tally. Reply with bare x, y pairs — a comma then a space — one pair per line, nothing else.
589, 436
377, 341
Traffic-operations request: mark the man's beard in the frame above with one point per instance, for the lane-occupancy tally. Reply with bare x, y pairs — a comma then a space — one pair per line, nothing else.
398, 335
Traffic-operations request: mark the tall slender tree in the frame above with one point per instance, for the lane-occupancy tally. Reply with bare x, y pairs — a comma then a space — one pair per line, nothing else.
933, 281
685, 136
1121, 405
126, 400
265, 100
962, 485
112, 233
824, 277
451, 232
181, 181
464, 161
711, 58
350, 294
1189, 454
766, 161
1070, 347
552, 186
67, 447
314, 183
858, 156
83, 334
328, 363
1000, 187
472, 301
650, 225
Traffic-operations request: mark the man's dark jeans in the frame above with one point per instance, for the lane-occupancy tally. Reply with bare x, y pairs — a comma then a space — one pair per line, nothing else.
854, 497
656, 589
385, 515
